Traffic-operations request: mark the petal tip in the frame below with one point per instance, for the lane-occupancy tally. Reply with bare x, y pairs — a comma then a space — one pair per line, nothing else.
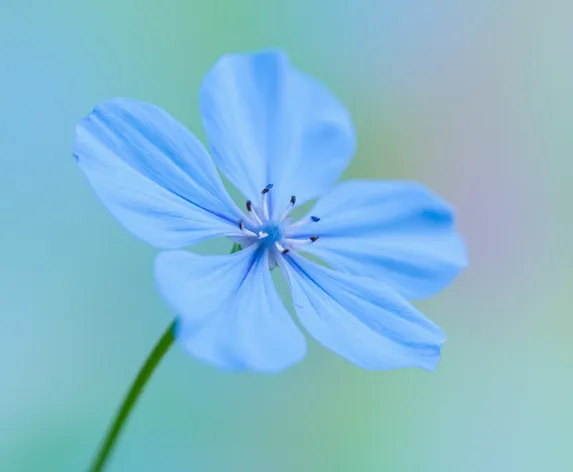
239, 366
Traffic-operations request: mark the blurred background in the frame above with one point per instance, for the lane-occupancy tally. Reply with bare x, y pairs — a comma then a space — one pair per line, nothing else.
474, 99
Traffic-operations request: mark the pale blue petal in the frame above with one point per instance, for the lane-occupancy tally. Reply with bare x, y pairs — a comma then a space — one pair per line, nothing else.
268, 123
397, 232
153, 175
361, 319
229, 313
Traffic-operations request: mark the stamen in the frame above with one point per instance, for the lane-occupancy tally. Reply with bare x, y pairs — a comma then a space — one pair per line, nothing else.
253, 212
265, 201
298, 224
301, 242
281, 248
248, 232
288, 208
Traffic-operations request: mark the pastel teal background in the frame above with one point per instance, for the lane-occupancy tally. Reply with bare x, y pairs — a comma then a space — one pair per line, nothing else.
475, 99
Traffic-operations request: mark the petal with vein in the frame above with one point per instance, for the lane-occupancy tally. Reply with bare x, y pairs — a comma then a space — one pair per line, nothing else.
268, 123
361, 319
397, 232
229, 312
153, 175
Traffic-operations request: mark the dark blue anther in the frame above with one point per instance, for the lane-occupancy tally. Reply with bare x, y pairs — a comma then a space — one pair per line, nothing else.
267, 188
315, 218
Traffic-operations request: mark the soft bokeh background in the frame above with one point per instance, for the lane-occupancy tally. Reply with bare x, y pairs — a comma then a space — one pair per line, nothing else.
475, 99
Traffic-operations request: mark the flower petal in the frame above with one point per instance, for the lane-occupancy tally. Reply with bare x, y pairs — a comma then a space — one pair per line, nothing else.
153, 175
229, 311
268, 123
361, 319
397, 232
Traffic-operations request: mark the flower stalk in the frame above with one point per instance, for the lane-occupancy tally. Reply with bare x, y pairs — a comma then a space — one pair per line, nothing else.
131, 398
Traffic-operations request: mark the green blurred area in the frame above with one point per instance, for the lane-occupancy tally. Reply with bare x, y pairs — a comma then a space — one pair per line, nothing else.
474, 99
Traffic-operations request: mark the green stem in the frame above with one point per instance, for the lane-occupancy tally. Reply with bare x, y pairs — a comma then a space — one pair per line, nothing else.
130, 399
132, 396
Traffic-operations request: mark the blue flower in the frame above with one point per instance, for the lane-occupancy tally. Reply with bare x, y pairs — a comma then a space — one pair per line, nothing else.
282, 139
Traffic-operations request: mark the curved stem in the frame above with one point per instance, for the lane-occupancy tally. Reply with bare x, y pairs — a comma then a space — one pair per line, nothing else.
130, 399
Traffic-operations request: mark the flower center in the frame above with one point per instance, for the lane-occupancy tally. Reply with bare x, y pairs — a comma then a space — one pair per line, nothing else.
273, 231
274, 235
